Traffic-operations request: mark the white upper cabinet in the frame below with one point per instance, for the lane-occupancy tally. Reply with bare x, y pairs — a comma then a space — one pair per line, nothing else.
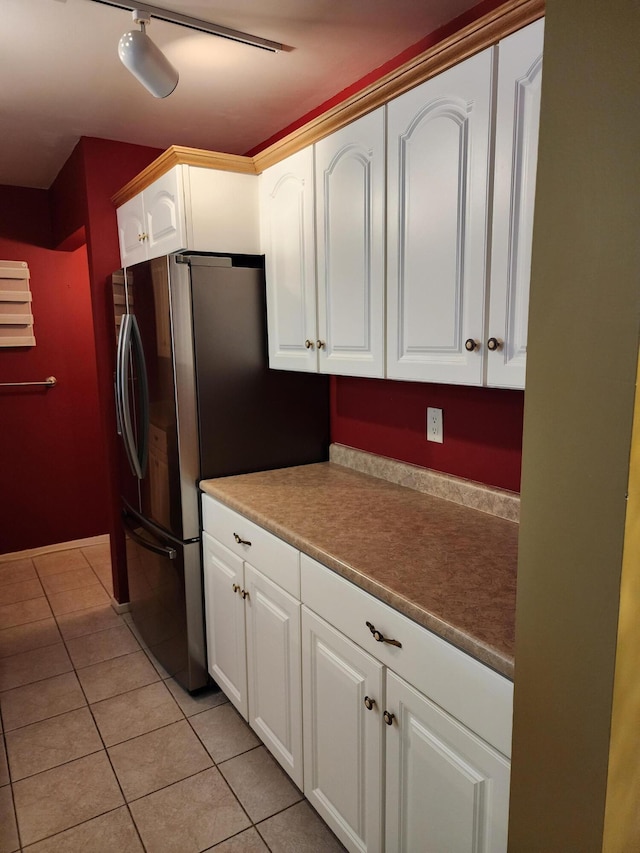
350, 220
131, 231
193, 208
288, 243
516, 155
164, 210
329, 196
438, 199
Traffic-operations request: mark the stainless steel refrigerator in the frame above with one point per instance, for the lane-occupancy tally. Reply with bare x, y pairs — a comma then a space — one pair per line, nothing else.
195, 399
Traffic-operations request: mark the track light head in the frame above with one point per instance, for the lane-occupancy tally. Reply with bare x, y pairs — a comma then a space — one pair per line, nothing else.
145, 60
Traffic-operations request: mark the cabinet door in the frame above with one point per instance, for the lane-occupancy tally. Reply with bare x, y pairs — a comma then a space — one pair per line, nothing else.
447, 790
438, 151
131, 230
517, 119
224, 618
165, 214
288, 242
350, 207
273, 657
343, 770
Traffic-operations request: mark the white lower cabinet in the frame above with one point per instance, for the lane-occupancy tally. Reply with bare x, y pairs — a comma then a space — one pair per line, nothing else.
447, 791
226, 645
253, 646
273, 666
399, 740
343, 735
389, 767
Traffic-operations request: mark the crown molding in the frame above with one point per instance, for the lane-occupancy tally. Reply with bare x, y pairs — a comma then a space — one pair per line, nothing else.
483, 33
176, 155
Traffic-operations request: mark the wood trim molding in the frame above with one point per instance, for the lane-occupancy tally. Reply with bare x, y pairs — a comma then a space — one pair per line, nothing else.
486, 31
176, 155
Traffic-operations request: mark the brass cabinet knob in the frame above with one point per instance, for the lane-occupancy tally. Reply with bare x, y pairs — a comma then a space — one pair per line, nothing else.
236, 587
245, 593
494, 344
389, 718
470, 345
320, 344
241, 541
369, 703
308, 344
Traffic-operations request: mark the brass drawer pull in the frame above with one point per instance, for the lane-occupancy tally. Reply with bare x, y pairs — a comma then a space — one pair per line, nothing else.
241, 541
369, 703
389, 718
380, 637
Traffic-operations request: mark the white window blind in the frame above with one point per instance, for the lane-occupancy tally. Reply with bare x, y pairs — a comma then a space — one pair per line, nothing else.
16, 317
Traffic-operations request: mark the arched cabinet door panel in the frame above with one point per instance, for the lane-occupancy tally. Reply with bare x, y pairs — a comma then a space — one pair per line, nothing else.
350, 219
437, 216
288, 243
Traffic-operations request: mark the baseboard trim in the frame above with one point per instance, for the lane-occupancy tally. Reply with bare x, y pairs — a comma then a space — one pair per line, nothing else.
103, 539
121, 607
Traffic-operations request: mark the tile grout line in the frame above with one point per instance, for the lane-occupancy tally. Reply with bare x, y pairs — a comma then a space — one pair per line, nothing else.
88, 706
184, 716
104, 747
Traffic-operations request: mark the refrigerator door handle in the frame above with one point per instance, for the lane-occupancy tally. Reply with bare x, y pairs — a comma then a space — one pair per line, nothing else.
130, 344
122, 389
143, 391
162, 550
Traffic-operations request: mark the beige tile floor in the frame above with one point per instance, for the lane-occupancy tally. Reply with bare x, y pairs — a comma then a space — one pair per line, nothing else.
102, 752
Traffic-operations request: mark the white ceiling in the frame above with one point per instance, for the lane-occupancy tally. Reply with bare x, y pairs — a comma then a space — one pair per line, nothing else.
62, 79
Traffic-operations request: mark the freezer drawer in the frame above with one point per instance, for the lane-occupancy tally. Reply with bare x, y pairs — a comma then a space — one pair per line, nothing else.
165, 588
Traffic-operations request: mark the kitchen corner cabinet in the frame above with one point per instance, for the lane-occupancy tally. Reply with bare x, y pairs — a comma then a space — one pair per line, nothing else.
190, 208
252, 620
437, 216
516, 157
332, 322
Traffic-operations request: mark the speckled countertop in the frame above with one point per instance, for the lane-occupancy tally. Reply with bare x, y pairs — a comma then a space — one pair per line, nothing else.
450, 568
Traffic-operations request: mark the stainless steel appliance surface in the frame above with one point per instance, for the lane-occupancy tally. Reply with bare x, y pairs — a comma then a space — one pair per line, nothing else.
195, 399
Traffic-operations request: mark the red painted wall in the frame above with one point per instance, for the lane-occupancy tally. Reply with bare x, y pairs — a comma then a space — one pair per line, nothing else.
81, 198
57, 480
482, 426
52, 465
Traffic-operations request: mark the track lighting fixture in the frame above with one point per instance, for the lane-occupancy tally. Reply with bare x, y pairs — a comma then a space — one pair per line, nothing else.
145, 60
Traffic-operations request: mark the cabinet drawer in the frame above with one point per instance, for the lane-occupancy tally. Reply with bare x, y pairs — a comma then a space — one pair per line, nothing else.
270, 555
469, 691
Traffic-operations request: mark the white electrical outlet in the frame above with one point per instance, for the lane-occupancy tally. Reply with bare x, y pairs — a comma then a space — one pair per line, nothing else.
434, 425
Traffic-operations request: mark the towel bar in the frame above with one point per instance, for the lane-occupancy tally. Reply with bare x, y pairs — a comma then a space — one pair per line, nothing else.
49, 382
